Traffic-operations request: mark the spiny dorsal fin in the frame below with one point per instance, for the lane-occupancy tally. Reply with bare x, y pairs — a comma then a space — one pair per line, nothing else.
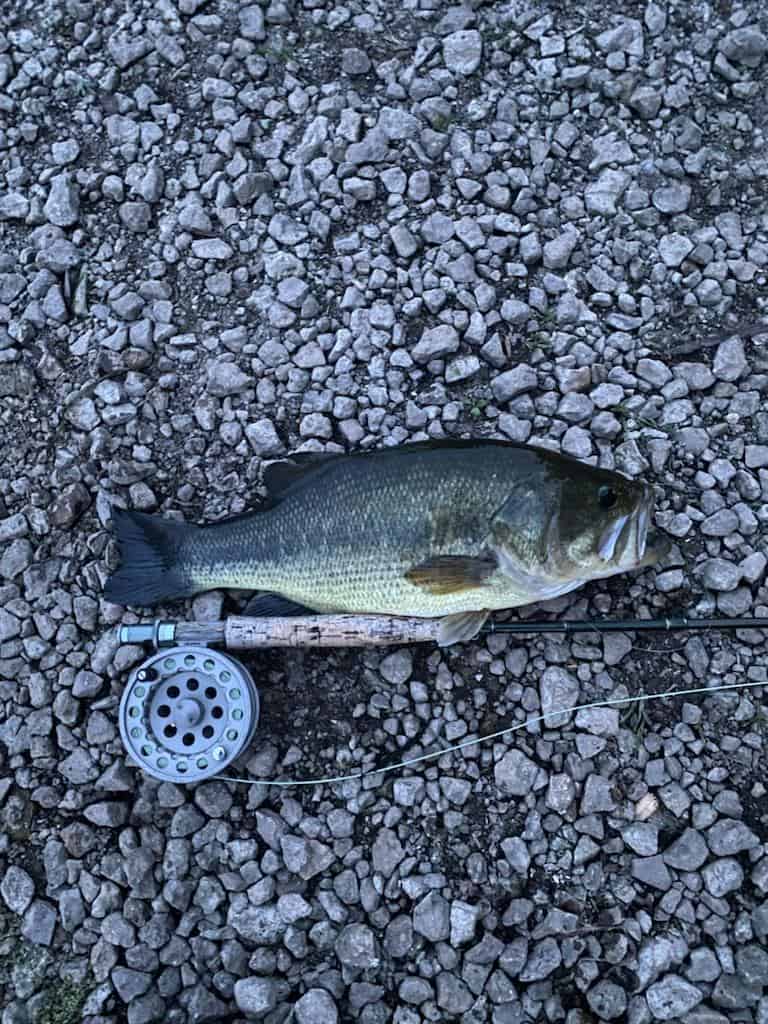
451, 574
279, 477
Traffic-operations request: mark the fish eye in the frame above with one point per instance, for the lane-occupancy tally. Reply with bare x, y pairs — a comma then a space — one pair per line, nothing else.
606, 496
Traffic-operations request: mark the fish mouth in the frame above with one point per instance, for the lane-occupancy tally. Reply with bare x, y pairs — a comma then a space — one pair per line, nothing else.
625, 540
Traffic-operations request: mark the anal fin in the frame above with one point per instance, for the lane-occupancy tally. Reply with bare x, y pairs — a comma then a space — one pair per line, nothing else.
460, 628
268, 606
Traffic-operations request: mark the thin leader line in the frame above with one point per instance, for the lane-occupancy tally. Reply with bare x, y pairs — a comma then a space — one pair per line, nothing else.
608, 702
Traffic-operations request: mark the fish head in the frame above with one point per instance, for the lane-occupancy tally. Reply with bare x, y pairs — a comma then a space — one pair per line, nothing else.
601, 525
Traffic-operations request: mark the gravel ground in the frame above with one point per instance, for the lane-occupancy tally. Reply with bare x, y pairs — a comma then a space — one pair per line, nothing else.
230, 231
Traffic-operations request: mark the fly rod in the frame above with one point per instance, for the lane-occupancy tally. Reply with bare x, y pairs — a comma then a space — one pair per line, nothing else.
239, 633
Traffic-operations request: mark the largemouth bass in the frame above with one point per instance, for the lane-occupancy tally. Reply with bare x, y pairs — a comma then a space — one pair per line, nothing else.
451, 528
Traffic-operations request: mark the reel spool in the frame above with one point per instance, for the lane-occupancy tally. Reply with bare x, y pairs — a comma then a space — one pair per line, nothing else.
187, 712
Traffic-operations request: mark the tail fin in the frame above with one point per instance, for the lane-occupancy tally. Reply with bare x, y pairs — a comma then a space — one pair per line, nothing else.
149, 570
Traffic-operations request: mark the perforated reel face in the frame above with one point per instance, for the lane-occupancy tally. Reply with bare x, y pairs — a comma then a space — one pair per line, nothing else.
188, 712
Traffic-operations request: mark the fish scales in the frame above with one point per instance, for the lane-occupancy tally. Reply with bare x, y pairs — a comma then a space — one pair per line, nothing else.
353, 528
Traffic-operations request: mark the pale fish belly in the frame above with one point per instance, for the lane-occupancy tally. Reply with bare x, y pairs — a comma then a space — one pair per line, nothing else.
389, 593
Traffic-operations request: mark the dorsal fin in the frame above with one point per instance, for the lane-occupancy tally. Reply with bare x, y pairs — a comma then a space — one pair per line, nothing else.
281, 476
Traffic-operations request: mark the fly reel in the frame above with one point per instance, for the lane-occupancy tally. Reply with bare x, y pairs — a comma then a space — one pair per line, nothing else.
187, 712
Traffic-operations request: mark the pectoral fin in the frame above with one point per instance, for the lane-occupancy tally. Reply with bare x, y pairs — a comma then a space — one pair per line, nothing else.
451, 574
458, 629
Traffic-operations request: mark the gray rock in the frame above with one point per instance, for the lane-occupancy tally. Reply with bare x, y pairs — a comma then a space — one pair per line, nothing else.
264, 439
747, 45
717, 574
461, 368
39, 923
671, 997
398, 937
305, 857
211, 249
314, 1007
672, 198
204, 1006
225, 378
464, 918
292, 907
128, 306
601, 196
516, 852
703, 965
723, 876
146, 1009
652, 871
213, 799
646, 100
642, 837
437, 228
62, 207
136, 216
558, 690
9, 626
71, 909
597, 795
252, 22
515, 312
130, 984
558, 251
514, 382
674, 248
625, 36
688, 852
286, 231
463, 51
756, 457
721, 524
415, 991
372, 149
86, 684
598, 721
405, 243
386, 852
730, 360
355, 61
752, 965
544, 958
432, 917
560, 792
356, 947
256, 997
79, 767
17, 889
654, 371
607, 1000
262, 925
435, 343
516, 774
728, 837
186, 821
126, 50
13, 206
453, 996
316, 425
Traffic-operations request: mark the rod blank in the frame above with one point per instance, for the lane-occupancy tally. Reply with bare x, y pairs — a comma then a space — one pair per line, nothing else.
241, 633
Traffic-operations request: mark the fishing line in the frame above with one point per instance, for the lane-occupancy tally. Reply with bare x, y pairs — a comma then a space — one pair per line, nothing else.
608, 702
